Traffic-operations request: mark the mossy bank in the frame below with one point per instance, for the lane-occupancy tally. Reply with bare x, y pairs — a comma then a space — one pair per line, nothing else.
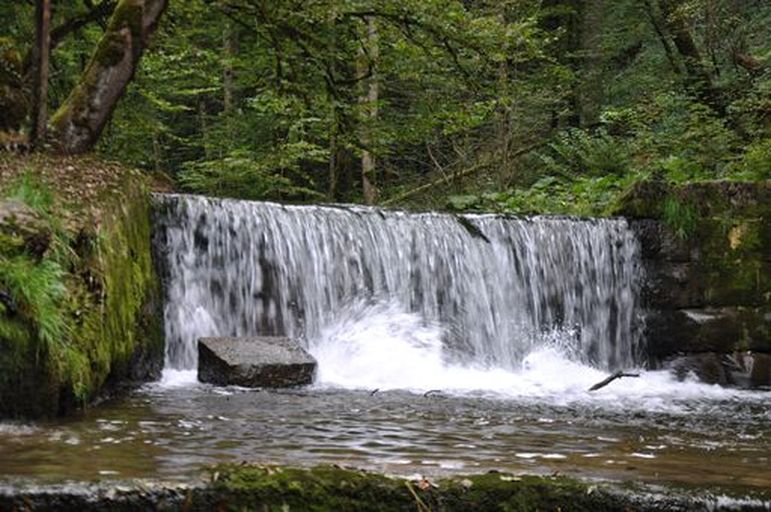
80, 309
331, 488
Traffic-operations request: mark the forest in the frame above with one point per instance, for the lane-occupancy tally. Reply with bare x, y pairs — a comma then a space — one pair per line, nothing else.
515, 106
495, 254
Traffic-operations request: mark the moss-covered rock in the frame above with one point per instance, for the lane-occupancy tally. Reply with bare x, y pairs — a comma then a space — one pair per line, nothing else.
706, 251
84, 314
646, 199
22, 230
325, 488
272, 488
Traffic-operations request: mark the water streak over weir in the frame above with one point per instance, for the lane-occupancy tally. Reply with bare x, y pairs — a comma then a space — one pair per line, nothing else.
494, 287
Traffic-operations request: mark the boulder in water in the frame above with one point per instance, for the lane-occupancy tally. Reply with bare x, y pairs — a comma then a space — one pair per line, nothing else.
254, 362
708, 367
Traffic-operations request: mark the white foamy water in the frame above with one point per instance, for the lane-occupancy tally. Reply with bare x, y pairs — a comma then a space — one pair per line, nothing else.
496, 285
529, 308
171, 378
380, 347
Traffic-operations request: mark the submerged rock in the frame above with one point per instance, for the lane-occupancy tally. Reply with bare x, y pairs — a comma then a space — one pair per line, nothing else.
264, 361
708, 367
741, 369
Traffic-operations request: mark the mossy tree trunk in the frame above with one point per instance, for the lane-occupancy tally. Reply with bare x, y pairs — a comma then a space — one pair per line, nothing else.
42, 54
77, 125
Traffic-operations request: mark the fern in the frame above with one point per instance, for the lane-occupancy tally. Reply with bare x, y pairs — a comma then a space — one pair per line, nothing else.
578, 152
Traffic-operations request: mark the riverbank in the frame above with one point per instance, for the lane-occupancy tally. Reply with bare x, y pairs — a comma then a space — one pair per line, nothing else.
80, 311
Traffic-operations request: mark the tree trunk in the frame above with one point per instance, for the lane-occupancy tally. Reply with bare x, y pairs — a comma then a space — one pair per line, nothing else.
228, 79
333, 118
77, 125
42, 57
591, 92
504, 113
660, 28
369, 101
565, 18
698, 78
202, 118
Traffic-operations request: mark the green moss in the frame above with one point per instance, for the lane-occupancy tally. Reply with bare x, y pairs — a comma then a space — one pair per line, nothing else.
124, 256
273, 488
645, 199
731, 261
320, 489
112, 47
11, 243
106, 312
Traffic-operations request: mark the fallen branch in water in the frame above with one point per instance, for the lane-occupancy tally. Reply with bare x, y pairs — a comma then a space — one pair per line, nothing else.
610, 379
432, 392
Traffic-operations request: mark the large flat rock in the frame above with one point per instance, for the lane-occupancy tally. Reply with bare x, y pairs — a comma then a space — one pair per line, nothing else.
254, 362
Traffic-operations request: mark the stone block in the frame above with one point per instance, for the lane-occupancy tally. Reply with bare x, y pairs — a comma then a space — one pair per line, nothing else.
259, 361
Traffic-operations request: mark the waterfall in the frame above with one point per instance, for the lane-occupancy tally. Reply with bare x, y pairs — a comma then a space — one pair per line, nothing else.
495, 287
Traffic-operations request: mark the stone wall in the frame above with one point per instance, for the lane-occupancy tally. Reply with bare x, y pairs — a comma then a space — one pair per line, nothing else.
706, 251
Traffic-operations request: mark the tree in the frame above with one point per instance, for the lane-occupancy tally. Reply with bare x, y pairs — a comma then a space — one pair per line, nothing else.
314, 101
369, 99
42, 53
675, 34
79, 121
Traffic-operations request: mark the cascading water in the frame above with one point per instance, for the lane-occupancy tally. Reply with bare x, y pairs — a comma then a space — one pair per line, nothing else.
471, 291
512, 320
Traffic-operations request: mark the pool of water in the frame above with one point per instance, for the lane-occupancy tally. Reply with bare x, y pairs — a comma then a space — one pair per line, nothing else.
713, 437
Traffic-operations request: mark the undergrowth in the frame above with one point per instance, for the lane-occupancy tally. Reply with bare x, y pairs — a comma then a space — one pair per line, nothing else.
586, 171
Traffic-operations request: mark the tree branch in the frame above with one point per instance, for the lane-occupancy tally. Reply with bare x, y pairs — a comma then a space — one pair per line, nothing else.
611, 378
96, 13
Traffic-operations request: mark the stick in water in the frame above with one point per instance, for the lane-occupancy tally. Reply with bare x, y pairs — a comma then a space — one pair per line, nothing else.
610, 379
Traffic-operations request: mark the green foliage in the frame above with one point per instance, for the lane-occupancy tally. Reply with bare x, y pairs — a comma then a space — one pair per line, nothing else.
240, 175
671, 137
269, 100
582, 196
579, 152
681, 217
39, 293
32, 191
28, 189
296, 124
755, 163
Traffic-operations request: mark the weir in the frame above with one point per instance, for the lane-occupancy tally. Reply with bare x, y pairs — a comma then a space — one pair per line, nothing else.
492, 287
